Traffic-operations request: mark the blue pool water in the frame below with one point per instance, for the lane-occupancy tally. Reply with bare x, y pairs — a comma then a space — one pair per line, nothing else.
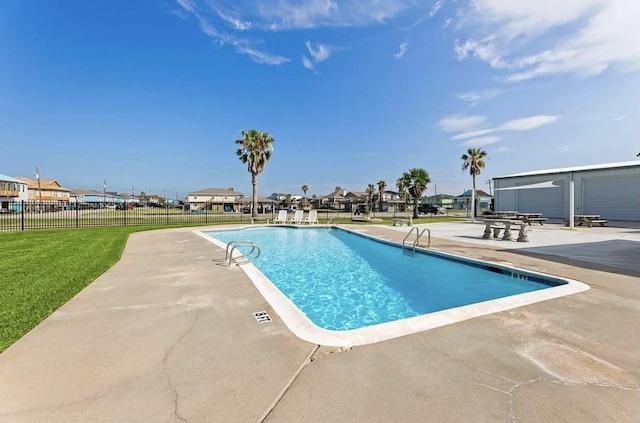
344, 281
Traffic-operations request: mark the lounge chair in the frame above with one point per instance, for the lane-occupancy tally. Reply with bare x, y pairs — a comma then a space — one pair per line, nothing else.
312, 218
281, 217
297, 217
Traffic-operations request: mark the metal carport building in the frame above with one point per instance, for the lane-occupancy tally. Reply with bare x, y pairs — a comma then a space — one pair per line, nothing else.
611, 190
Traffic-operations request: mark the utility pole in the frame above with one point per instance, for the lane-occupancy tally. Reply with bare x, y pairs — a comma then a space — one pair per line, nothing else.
489, 183
104, 194
39, 188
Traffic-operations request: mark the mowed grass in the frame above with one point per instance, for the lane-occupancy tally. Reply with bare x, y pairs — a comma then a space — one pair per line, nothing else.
42, 270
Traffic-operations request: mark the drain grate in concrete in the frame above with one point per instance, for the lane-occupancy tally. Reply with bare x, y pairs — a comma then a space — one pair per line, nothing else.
262, 316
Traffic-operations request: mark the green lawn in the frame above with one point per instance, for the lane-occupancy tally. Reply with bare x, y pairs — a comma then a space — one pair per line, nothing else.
42, 270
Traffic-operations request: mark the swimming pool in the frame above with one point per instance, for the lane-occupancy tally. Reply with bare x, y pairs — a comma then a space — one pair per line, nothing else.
348, 284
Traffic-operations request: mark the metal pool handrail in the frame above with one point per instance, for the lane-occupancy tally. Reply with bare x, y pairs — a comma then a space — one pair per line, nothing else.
418, 235
326, 225
232, 245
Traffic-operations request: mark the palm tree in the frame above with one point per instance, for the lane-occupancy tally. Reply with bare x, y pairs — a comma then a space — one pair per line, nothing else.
255, 150
415, 183
382, 185
304, 189
370, 190
400, 183
474, 160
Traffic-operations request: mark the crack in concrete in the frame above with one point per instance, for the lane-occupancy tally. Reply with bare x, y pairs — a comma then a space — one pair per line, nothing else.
176, 395
286, 387
328, 353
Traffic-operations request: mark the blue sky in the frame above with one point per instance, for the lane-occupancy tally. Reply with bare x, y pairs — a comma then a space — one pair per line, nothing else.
150, 95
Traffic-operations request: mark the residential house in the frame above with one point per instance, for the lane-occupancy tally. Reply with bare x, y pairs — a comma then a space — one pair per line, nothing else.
47, 190
292, 202
439, 200
12, 192
90, 198
215, 199
463, 202
334, 200
357, 200
390, 201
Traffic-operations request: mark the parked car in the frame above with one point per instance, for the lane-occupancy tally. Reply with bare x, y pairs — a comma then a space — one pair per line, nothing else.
428, 208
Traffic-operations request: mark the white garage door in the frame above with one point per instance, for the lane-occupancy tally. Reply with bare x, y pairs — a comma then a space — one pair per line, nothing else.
612, 197
548, 201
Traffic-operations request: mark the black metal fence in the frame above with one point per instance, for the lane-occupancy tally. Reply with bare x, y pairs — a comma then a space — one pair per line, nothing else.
30, 215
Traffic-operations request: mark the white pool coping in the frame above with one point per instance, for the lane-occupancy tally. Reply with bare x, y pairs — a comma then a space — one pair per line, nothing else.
305, 329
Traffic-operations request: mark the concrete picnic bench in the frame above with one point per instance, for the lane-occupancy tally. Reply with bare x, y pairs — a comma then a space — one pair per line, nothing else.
403, 221
497, 225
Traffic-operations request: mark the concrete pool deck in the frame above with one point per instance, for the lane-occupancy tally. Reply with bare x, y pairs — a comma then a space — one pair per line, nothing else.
168, 335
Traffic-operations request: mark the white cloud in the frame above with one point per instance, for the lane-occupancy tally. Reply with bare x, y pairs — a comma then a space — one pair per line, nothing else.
523, 124
529, 123
237, 23
319, 52
306, 14
402, 49
563, 148
473, 134
535, 38
476, 96
307, 63
260, 56
244, 23
480, 141
456, 123
436, 7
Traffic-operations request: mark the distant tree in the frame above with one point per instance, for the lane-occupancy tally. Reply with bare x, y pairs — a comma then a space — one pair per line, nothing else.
287, 200
382, 185
400, 183
474, 160
370, 190
254, 149
304, 189
415, 183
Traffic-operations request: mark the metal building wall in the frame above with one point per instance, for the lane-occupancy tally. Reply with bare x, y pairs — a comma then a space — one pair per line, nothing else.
613, 193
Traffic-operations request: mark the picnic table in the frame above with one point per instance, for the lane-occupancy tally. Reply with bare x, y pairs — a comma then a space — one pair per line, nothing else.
531, 217
527, 218
586, 219
498, 224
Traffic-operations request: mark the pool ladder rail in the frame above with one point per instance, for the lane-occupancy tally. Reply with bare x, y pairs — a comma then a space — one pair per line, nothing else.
412, 250
328, 224
231, 247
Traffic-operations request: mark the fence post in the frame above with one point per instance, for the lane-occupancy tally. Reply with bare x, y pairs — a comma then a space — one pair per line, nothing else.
22, 215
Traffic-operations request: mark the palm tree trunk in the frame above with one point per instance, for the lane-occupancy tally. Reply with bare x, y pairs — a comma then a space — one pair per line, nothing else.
473, 199
254, 201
